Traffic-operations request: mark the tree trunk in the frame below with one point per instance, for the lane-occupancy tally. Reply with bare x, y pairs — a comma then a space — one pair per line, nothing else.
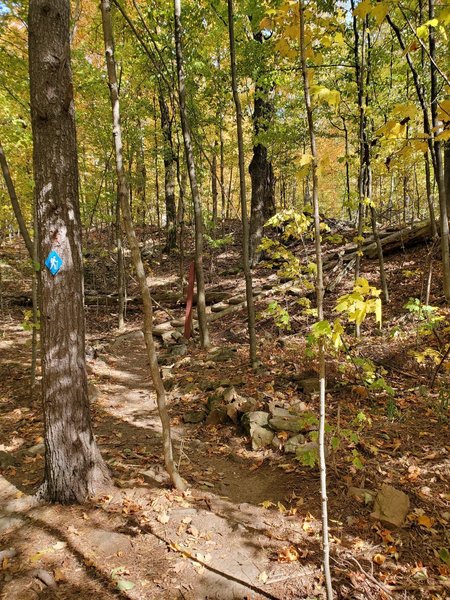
260, 168
243, 193
189, 154
319, 294
135, 251
214, 191
15, 203
121, 289
141, 176
447, 174
438, 161
74, 468
169, 174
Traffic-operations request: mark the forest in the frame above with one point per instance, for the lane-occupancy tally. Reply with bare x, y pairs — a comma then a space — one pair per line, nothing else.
224, 299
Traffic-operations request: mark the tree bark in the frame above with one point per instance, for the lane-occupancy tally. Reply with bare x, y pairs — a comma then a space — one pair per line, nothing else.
447, 174
189, 155
74, 468
214, 190
135, 251
169, 173
260, 168
243, 192
438, 161
15, 203
320, 313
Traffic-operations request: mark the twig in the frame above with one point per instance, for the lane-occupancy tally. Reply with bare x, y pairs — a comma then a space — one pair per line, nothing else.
370, 577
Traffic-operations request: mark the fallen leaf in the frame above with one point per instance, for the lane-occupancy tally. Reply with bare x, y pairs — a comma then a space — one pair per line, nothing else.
267, 504
379, 559
425, 521
289, 554
59, 574
263, 577
163, 518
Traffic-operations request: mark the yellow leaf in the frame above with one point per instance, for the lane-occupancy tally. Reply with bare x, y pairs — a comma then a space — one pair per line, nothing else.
379, 559
363, 9
339, 39
263, 577
267, 504
425, 521
422, 32
379, 11
443, 136
407, 109
281, 508
443, 111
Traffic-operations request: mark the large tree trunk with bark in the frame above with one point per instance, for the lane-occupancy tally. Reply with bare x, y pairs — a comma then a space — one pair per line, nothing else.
260, 168
74, 468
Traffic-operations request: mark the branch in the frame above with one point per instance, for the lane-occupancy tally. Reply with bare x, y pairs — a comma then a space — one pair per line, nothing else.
433, 62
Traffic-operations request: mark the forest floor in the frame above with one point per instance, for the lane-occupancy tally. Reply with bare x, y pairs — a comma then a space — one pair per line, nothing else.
250, 524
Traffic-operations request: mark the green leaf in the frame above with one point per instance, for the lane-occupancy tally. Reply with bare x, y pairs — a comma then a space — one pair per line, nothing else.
444, 555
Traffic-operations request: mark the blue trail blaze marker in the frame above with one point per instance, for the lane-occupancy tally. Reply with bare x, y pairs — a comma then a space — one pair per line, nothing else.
53, 262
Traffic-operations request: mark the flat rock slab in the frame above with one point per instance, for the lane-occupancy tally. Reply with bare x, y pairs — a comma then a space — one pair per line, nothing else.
292, 423
391, 506
108, 542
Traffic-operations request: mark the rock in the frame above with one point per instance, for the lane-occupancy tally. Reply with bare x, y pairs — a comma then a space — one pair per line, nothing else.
236, 300
223, 354
8, 553
276, 411
166, 373
219, 307
184, 361
256, 417
179, 350
298, 408
214, 400
290, 447
108, 543
37, 449
155, 474
261, 437
195, 416
391, 506
311, 448
309, 385
237, 404
362, 494
218, 416
230, 394
44, 576
277, 444
177, 335
293, 423
167, 338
